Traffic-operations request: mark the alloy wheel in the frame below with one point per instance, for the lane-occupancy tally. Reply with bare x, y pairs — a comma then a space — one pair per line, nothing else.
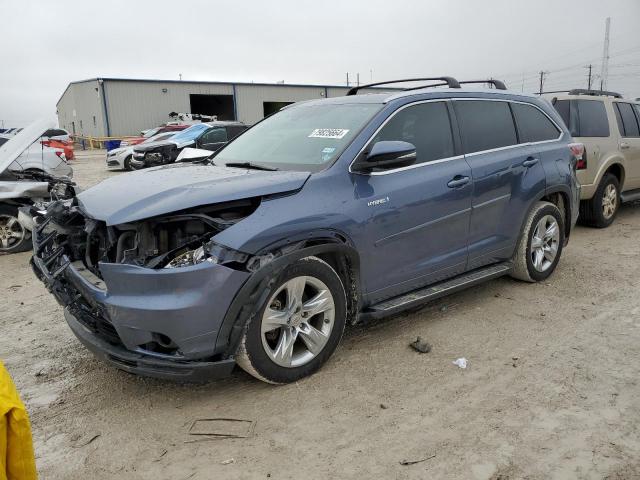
609, 201
298, 320
545, 242
11, 232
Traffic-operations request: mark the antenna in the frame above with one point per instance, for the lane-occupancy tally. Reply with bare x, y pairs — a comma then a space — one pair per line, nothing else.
604, 75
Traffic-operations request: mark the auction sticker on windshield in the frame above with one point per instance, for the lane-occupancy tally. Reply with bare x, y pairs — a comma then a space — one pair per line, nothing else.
328, 133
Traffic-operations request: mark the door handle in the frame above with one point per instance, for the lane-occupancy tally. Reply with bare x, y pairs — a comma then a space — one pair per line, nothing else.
458, 181
530, 162
624, 145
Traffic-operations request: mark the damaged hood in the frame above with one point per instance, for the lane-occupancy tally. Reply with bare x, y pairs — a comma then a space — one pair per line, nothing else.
11, 189
12, 149
157, 191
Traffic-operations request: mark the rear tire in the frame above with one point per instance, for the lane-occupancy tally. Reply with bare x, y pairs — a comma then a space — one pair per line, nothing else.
13, 236
298, 328
601, 210
540, 244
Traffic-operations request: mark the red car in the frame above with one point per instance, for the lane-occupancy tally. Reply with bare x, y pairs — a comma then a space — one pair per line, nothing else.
67, 147
128, 141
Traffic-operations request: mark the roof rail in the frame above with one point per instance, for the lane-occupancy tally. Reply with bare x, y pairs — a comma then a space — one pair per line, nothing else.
594, 93
450, 81
496, 83
551, 91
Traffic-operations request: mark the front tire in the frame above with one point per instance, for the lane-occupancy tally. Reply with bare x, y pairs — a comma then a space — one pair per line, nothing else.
601, 210
294, 333
127, 164
13, 236
540, 244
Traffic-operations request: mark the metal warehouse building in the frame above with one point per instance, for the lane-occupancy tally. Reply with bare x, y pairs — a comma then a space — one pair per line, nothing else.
112, 107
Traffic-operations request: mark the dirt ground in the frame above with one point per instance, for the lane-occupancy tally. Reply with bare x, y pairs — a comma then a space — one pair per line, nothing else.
551, 389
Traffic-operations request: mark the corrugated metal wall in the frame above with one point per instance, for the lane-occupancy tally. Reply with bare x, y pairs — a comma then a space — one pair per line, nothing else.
133, 106
136, 106
80, 108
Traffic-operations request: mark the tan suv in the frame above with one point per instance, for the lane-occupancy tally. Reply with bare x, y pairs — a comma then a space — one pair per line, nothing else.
609, 128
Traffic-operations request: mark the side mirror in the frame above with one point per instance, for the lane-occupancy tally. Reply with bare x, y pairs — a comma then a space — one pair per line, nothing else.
388, 154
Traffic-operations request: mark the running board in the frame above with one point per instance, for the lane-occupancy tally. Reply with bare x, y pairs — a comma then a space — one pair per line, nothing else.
427, 294
630, 196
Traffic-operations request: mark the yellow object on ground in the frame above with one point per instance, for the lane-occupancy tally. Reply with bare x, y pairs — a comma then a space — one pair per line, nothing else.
17, 461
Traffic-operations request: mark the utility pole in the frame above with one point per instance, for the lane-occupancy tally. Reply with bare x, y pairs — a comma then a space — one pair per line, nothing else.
347, 79
604, 74
358, 79
542, 74
180, 75
589, 76
522, 88
371, 75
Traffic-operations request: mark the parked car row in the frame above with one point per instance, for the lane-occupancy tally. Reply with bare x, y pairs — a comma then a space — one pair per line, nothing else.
162, 145
31, 173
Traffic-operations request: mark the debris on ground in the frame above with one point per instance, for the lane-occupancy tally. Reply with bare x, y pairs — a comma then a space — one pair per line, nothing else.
228, 461
83, 442
515, 359
420, 345
384, 406
210, 428
413, 462
460, 362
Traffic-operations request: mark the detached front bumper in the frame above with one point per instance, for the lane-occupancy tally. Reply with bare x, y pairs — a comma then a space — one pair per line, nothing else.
159, 323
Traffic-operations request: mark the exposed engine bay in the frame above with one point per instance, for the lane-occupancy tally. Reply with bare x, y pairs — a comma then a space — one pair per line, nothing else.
170, 241
35, 185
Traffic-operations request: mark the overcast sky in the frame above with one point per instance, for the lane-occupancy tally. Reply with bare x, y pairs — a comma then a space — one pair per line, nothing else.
47, 44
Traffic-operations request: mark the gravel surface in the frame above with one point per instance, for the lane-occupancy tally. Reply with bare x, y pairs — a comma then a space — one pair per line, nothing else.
550, 390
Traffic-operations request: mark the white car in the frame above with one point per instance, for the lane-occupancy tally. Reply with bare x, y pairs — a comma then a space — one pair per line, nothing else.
30, 173
120, 158
57, 134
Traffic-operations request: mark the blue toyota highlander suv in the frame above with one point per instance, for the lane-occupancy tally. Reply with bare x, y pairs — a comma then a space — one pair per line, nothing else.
328, 212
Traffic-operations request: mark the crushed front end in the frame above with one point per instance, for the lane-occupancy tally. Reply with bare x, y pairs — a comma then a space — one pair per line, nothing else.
149, 297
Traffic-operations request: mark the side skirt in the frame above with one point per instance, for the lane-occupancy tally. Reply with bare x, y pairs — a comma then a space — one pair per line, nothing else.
432, 292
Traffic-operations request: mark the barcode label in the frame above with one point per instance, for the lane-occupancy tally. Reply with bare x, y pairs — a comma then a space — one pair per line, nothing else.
328, 133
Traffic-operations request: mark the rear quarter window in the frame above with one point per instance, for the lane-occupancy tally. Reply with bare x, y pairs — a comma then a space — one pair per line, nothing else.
592, 118
627, 120
485, 125
533, 125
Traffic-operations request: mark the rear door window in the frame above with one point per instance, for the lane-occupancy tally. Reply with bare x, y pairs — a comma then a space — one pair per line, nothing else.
592, 118
627, 120
485, 124
426, 126
533, 125
215, 135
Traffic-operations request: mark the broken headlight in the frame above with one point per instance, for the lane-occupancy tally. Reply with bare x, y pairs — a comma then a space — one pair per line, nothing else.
210, 252
188, 258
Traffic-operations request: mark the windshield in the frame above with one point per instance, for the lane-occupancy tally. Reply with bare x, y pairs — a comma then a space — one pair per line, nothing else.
305, 137
190, 133
151, 133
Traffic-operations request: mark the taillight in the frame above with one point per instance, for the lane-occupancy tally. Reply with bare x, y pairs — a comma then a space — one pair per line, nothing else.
60, 155
579, 154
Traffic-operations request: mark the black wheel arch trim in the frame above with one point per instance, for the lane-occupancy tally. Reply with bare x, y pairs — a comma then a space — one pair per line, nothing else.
259, 285
566, 198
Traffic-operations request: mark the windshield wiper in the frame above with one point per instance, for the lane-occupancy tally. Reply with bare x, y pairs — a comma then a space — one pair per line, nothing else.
255, 166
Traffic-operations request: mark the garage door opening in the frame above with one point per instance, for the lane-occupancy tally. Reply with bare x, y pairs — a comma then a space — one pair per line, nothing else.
220, 105
273, 107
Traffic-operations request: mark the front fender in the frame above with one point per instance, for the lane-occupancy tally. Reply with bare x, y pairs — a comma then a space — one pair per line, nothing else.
258, 288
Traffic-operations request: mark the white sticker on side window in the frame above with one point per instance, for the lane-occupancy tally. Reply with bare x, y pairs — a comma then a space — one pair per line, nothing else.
328, 133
